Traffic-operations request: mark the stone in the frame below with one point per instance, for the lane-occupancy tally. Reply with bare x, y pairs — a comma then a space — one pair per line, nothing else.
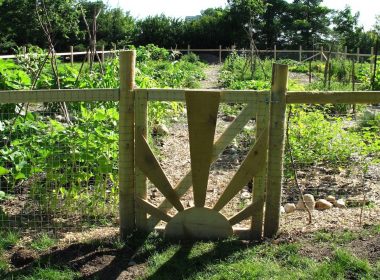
323, 204
245, 195
229, 118
161, 130
282, 210
289, 207
340, 204
309, 200
331, 199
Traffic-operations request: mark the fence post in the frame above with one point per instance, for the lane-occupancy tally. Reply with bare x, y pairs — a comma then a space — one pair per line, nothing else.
358, 54
321, 53
300, 54
220, 54
372, 60
102, 54
275, 52
277, 127
24, 51
71, 55
126, 143
345, 52
188, 49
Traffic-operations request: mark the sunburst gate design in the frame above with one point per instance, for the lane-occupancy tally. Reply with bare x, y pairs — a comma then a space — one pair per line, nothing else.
200, 222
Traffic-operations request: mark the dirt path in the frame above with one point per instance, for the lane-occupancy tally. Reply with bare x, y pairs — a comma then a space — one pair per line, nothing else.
212, 74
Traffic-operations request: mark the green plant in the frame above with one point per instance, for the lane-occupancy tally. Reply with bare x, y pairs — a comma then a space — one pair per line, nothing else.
8, 239
43, 242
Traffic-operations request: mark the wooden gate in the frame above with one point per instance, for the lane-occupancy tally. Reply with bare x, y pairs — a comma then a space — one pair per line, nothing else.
263, 162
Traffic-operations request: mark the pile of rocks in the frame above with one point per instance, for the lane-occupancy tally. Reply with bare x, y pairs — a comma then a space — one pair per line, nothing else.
321, 204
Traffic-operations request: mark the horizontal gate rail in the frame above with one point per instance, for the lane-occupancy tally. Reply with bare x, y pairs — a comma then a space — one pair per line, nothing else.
59, 95
335, 97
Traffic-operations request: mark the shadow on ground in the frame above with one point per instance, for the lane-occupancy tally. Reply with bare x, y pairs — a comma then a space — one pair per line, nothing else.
108, 259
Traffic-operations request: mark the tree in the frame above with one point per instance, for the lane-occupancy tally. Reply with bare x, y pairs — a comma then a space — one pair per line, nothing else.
309, 23
346, 28
161, 30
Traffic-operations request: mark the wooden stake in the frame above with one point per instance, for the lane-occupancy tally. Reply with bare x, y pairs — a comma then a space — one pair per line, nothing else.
275, 53
126, 143
372, 60
358, 54
276, 149
321, 53
71, 55
300, 54
220, 54
102, 54
345, 52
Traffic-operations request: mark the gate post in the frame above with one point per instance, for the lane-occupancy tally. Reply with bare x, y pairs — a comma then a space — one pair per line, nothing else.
276, 149
126, 143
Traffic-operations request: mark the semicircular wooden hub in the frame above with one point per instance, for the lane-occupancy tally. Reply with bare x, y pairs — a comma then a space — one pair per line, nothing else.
198, 223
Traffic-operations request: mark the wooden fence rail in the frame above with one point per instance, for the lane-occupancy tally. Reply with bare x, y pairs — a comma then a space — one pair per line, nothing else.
275, 52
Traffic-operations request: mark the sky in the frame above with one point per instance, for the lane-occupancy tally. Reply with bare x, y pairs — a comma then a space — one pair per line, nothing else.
180, 8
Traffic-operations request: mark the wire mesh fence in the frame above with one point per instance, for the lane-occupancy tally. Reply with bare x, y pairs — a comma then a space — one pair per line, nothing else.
58, 172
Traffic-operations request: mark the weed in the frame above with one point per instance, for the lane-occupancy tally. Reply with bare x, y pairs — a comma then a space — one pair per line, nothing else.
43, 242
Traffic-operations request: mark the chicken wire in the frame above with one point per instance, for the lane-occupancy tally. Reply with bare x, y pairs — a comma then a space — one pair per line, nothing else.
58, 173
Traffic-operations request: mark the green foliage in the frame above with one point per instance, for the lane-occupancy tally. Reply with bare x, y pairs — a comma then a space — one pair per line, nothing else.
77, 163
51, 274
316, 138
8, 239
43, 242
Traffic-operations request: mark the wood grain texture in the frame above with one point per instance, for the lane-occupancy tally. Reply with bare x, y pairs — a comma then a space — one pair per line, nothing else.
333, 97
223, 141
152, 210
276, 150
202, 113
198, 223
259, 181
246, 212
147, 163
141, 126
126, 144
253, 163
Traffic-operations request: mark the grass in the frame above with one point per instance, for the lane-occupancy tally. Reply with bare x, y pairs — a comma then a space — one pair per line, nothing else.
8, 239
227, 259
43, 242
51, 274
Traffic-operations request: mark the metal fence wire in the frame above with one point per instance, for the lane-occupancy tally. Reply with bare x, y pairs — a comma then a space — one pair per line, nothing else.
57, 172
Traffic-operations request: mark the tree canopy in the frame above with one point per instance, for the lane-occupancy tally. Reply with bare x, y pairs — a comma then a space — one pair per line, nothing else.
287, 24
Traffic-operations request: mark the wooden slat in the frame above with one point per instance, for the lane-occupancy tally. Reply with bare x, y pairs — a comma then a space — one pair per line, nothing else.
334, 97
227, 96
147, 162
276, 149
245, 213
253, 163
233, 129
259, 180
202, 114
55, 95
223, 141
141, 102
152, 210
198, 223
